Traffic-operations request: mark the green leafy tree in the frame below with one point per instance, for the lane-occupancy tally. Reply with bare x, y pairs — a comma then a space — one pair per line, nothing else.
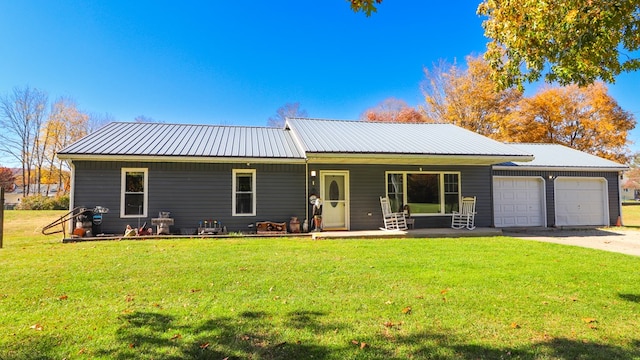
366, 6
569, 41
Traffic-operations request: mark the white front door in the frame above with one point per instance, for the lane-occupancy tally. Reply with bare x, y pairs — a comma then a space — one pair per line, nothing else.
334, 192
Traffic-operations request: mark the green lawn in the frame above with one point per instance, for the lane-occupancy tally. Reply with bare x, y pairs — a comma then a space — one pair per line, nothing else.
468, 298
631, 215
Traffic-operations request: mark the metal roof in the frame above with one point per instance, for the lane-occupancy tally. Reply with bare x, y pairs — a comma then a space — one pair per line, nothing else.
184, 141
363, 137
560, 156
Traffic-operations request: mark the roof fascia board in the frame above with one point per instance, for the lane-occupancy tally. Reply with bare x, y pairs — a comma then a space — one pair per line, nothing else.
559, 168
186, 159
413, 159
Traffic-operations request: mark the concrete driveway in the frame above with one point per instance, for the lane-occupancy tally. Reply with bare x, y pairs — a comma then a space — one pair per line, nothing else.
621, 240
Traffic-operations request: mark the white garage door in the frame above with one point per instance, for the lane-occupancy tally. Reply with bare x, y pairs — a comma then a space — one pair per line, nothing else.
518, 201
581, 201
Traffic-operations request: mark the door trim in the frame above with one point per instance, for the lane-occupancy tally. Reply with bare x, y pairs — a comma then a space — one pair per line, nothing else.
347, 200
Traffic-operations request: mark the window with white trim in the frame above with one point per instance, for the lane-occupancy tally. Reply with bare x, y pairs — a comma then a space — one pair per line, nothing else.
244, 192
426, 193
134, 192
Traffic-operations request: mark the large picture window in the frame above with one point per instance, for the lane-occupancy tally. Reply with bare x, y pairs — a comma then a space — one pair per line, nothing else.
425, 192
134, 193
244, 193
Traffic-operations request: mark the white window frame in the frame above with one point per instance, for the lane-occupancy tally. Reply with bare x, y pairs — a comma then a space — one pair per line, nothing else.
441, 188
123, 188
235, 174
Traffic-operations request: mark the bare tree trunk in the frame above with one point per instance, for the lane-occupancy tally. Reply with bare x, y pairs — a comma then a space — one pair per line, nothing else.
21, 116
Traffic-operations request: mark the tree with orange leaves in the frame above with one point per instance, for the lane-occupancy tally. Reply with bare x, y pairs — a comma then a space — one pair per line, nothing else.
7, 179
468, 97
66, 124
586, 119
393, 110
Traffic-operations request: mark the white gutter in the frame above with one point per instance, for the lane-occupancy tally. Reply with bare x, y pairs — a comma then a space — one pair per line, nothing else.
558, 168
413, 159
184, 159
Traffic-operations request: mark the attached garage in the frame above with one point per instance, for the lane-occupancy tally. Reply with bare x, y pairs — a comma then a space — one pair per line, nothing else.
561, 187
581, 201
518, 201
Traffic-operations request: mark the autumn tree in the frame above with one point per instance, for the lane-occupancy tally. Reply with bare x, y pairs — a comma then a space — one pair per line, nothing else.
393, 110
22, 113
66, 124
7, 179
288, 110
570, 41
586, 119
468, 97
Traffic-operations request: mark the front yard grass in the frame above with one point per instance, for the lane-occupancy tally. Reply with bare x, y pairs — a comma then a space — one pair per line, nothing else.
631, 215
468, 298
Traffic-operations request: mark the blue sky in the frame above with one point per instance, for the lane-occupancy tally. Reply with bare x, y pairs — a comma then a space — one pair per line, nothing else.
234, 62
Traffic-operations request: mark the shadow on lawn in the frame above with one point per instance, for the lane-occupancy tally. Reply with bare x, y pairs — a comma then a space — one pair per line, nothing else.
259, 335
250, 335
444, 346
630, 297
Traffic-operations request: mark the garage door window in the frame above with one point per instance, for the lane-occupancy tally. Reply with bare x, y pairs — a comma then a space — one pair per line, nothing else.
426, 193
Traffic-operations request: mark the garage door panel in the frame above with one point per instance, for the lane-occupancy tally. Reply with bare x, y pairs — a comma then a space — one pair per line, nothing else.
581, 201
518, 201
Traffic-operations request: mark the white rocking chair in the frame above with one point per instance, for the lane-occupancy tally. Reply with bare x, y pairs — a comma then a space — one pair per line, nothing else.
466, 217
392, 221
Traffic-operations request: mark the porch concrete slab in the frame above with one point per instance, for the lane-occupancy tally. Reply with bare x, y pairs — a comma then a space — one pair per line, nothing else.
414, 233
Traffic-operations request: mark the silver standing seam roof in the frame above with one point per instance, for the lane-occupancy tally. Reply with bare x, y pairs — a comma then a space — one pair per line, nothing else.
184, 141
559, 156
363, 137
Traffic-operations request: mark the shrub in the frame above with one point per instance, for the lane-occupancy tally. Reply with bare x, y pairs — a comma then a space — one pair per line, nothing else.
40, 202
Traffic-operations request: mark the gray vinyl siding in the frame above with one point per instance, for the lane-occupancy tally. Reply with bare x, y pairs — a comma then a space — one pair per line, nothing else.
192, 192
367, 184
613, 183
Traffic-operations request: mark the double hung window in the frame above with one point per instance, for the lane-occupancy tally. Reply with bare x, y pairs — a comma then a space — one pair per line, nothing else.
244, 192
134, 192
